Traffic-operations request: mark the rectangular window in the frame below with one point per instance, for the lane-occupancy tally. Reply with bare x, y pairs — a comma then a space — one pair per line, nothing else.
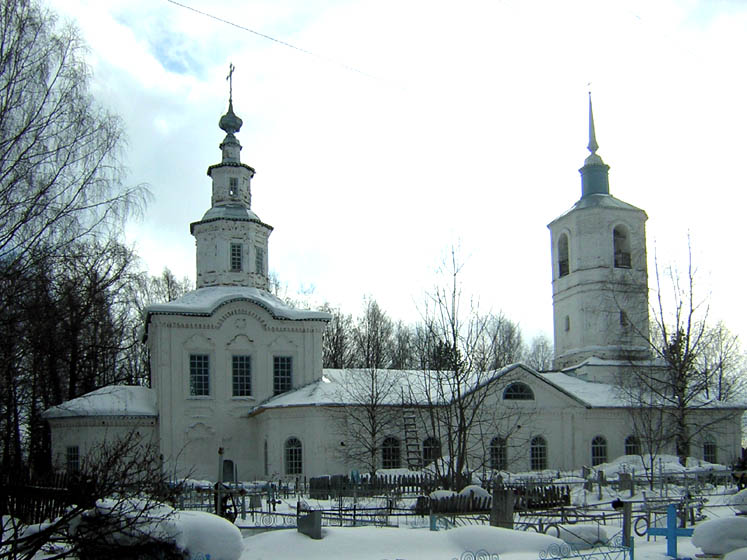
199, 375
259, 260
282, 374
233, 186
235, 257
242, 376
72, 459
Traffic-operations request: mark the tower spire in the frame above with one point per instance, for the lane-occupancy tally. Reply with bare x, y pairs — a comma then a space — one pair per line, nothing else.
593, 146
594, 173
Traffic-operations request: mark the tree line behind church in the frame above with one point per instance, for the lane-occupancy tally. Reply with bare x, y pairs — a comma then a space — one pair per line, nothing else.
374, 340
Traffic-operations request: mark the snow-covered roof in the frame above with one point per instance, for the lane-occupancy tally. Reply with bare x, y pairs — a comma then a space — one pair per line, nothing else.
115, 400
334, 388
599, 200
205, 301
590, 393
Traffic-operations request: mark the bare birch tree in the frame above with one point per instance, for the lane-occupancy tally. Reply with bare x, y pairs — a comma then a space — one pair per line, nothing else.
60, 174
691, 361
462, 351
370, 415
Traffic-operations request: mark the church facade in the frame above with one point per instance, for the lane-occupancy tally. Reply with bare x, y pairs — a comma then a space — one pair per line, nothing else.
239, 391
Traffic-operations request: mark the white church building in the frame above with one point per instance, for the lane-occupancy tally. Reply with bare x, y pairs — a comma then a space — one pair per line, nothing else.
239, 391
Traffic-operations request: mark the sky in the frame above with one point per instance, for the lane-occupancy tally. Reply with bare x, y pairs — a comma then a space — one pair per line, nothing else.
391, 131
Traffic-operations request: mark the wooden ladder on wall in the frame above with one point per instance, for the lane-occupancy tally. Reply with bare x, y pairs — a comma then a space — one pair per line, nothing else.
412, 445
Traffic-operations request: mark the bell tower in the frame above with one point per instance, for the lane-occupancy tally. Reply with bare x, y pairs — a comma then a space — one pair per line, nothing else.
231, 240
599, 272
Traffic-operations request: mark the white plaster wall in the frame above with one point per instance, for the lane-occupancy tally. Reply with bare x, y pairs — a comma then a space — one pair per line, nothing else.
221, 176
315, 427
213, 242
90, 433
192, 429
595, 292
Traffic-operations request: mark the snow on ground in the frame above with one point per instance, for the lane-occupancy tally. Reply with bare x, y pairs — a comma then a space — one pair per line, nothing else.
739, 501
581, 536
369, 543
738, 554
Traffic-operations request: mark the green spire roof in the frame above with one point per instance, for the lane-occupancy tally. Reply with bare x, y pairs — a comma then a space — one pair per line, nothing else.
594, 173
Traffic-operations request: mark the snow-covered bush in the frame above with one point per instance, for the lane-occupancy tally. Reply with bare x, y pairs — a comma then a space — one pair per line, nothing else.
721, 536
138, 529
475, 490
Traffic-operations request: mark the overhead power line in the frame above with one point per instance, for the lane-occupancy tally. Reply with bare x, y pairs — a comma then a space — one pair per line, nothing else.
270, 38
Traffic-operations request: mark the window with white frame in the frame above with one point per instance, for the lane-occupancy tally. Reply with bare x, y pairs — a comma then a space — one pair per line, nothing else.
621, 247
431, 450
538, 454
390, 453
293, 456
259, 260
236, 251
563, 260
518, 391
710, 452
282, 374
199, 375
72, 459
241, 370
233, 186
598, 451
632, 447
498, 455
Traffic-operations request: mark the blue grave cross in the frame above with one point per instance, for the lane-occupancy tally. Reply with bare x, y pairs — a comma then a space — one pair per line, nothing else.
671, 531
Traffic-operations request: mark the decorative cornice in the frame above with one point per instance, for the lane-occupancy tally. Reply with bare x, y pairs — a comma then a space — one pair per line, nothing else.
229, 164
226, 219
119, 420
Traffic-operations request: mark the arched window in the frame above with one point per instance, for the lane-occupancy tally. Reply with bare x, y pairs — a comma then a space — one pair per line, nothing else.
621, 245
710, 452
431, 450
498, 455
538, 454
632, 447
518, 391
563, 260
293, 456
390, 453
598, 451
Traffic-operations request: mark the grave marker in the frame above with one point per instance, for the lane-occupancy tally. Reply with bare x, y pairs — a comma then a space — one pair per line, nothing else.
671, 531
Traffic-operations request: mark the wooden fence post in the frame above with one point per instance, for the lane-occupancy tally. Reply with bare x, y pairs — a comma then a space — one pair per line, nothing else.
627, 522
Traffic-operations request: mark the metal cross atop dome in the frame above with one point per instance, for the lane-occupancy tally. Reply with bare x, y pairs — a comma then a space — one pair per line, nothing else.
231, 68
230, 122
